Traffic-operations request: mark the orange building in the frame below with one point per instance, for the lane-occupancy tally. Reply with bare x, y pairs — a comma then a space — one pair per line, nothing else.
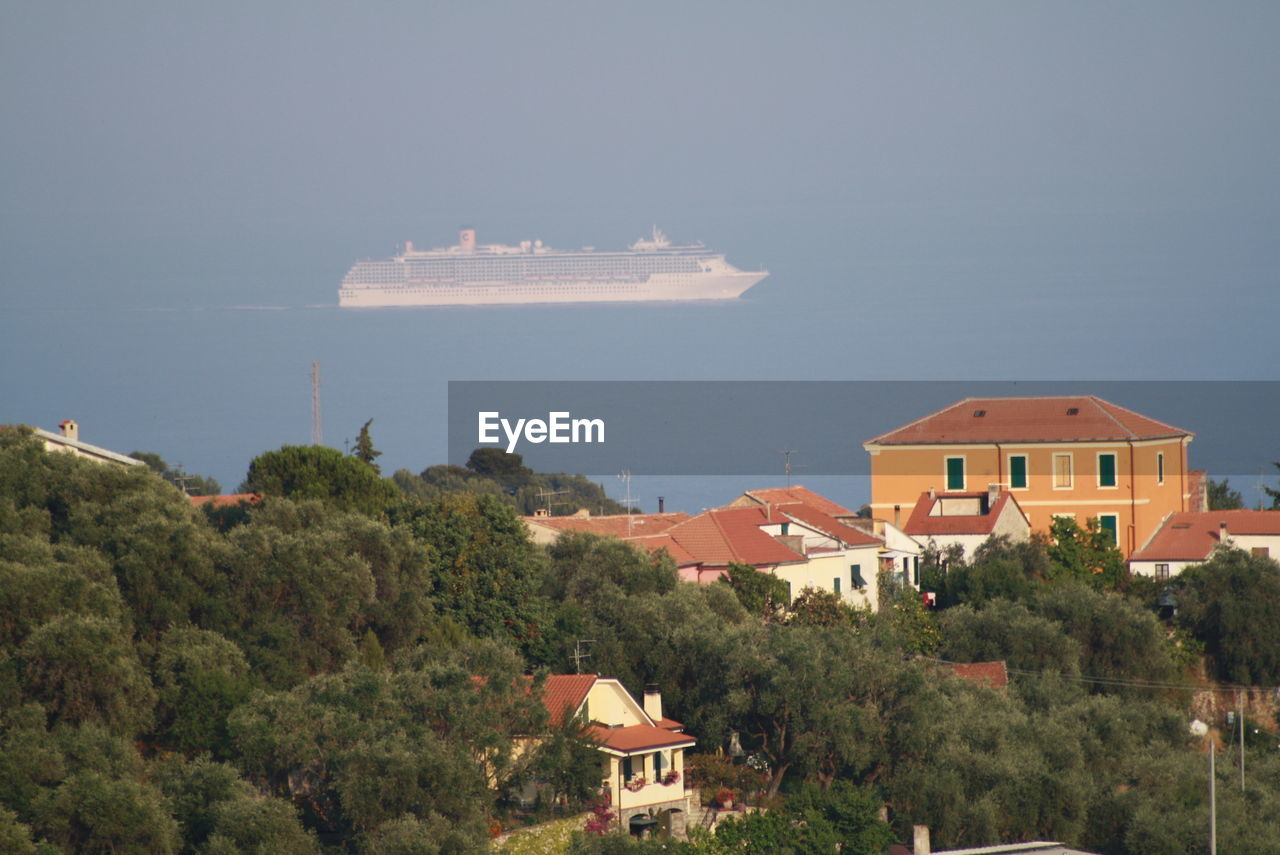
1077, 456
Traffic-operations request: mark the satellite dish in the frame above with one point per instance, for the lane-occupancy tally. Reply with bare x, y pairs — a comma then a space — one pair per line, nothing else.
1199, 728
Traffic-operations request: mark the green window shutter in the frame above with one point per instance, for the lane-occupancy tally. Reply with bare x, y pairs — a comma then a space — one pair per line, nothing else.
1106, 470
855, 570
1018, 472
955, 473
1107, 522
835, 584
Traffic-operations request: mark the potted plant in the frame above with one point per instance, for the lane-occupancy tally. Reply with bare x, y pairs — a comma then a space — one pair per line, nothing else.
672, 777
724, 798
636, 784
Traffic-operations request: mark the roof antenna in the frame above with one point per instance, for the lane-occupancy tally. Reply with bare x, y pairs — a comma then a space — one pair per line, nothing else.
579, 655
625, 478
786, 466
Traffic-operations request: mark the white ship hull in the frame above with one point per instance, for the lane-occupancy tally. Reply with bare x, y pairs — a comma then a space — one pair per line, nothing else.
658, 287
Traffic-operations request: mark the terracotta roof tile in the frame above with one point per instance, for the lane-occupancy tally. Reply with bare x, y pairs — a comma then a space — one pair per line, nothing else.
801, 494
1043, 419
922, 524
994, 675
639, 737
1192, 535
810, 516
612, 525
656, 542
224, 501
565, 693
718, 537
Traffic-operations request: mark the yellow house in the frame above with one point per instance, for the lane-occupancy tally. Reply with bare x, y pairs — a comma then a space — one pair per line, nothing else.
642, 765
1074, 456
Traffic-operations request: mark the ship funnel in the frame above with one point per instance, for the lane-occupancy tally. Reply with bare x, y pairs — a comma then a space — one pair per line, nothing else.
467, 237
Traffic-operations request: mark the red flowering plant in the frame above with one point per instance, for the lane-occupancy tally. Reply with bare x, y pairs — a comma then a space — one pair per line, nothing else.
601, 818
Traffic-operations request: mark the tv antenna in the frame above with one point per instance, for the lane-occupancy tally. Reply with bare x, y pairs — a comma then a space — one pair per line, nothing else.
786, 462
625, 478
547, 494
317, 431
578, 654
180, 478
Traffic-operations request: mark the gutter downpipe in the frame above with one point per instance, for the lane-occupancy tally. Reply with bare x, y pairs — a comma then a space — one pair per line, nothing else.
1132, 534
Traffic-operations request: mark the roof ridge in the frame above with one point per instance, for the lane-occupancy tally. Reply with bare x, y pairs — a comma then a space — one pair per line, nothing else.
922, 418
1099, 402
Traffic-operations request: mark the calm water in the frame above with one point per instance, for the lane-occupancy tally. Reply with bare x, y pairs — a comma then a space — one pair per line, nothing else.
200, 348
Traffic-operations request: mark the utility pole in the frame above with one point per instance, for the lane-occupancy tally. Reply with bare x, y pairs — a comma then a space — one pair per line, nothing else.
1240, 716
317, 431
1213, 806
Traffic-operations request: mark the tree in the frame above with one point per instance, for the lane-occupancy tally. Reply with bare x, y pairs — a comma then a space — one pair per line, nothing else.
1086, 554
200, 677
1222, 497
507, 469
1274, 494
364, 450
760, 593
1229, 603
316, 472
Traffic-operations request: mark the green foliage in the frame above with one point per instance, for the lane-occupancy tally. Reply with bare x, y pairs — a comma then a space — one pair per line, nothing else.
83, 669
493, 472
1229, 604
485, 572
316, 472
364, 450
1084, 554
200, 677
762, 594
95, 814
1222, 498
814, 607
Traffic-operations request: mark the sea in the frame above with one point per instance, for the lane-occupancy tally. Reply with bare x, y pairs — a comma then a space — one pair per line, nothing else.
197, 340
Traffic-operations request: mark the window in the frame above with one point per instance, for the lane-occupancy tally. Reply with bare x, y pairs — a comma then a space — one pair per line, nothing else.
835, 584
915, 568
786, 527
1062, 471
1107, 470
1110, 523
855, 572
1162, 571
627, 770
955, 473
1017, 472
1159, 467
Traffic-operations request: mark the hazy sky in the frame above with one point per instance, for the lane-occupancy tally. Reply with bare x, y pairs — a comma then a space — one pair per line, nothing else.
317, 114
951, 190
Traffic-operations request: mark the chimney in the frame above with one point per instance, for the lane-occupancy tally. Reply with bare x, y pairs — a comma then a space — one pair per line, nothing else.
467, 237
933, 494
993, 495
662, 504
897, 516
1222, 532
69, 429
653, 702
920, 839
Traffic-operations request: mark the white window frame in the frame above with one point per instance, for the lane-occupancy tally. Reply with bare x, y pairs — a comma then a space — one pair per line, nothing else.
1071, 470
1115, 530
1115, 470
1026, 470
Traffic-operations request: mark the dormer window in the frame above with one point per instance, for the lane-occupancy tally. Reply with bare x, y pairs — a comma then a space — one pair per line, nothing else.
1073, 411
977, 414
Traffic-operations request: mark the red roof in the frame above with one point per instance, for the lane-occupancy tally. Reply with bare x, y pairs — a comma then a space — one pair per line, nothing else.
807, 515
656, 542
612, 525
923, 524
224, 501
803, 495
991, 674
719, 537
1044, 419
639, 737
1192, 535
564, 693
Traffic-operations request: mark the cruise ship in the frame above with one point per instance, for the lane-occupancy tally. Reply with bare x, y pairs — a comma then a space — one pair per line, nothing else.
470, 274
